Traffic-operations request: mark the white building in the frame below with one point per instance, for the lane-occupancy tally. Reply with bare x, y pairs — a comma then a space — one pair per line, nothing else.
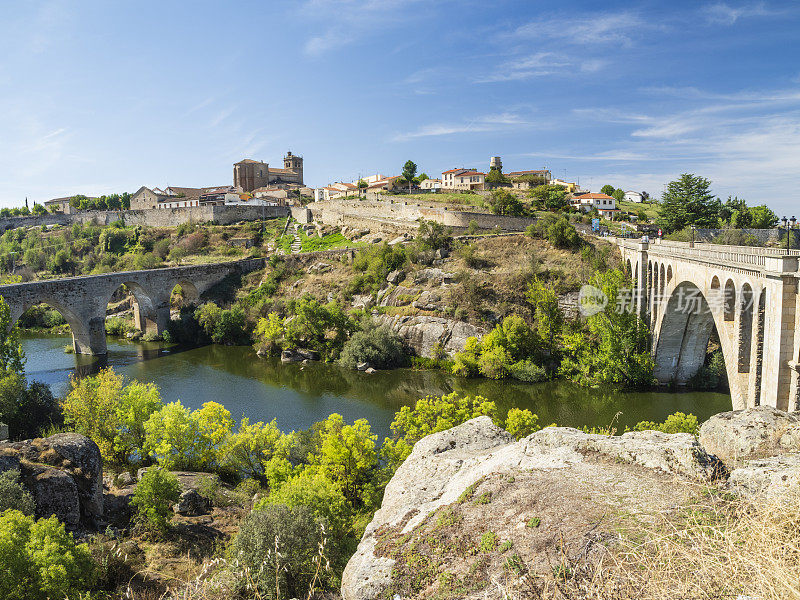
605, 205
463, 179
633, 196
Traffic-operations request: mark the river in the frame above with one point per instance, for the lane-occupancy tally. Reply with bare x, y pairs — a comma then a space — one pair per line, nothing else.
298, 395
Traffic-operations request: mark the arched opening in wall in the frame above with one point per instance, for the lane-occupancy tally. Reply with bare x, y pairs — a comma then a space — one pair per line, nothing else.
49, 317
130, 312
760, 323
628, 268
715, 291
182, 326
662, 284
729, 301
654, 290
745, 336
669, 273
688, 348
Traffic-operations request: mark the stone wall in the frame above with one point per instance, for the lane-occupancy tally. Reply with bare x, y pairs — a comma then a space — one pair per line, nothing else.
400, 214
163, 217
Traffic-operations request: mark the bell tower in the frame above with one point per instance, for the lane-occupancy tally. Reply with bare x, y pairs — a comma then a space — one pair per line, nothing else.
294, 163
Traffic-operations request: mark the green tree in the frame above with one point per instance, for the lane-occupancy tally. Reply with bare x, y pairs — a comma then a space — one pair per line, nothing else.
409, 171
547, 315
495, 178
347, 455
549, 197
761, 217
504, 202
182, 439
607, 189
155, 494
362, 185
432, 236
688, 201
618, 195
12, 358
380, 347
427, 416
521, 422
39, 209
259, 450
422, 177
40, 560
111, 413
615, 346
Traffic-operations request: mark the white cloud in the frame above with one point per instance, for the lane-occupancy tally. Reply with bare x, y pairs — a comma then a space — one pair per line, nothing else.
542, 64
725, 14
347, 21
611, 27
482, 124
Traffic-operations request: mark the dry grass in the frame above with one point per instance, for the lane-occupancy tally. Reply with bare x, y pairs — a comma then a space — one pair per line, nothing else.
717, 548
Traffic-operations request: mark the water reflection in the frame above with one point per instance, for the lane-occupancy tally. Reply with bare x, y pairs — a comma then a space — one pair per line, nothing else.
298, 395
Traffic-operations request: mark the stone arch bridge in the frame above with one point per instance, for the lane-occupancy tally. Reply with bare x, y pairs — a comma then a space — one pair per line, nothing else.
83, 300
684, 290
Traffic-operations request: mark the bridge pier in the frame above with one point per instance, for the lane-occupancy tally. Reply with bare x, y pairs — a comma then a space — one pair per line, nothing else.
90, 338
151, 319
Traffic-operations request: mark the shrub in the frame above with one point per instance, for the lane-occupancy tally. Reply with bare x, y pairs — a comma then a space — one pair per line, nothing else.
675, 423
320, 495
260, 451
155, 494
521, 422
184, 439
429, 415
117, 327
280, 549
40, 560
527, 370
504, 202
557, 230
488, 542
379, 346
13, 494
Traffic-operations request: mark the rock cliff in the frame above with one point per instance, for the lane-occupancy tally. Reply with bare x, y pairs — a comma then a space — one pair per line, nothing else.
466, 493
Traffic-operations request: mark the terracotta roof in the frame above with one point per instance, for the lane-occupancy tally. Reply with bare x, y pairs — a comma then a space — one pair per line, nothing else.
456, 171
470, 173
186, 191
593, 197
277, 170
250, 161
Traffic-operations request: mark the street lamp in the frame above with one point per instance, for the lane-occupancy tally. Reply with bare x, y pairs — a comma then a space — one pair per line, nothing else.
693, 228
788, 224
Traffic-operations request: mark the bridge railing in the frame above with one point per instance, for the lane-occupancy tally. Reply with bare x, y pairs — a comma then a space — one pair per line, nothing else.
717, 253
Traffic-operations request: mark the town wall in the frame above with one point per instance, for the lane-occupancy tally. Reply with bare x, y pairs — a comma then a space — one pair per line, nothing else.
162, 217
402, 214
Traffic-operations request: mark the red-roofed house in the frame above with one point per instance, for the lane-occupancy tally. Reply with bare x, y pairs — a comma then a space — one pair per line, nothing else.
605, 204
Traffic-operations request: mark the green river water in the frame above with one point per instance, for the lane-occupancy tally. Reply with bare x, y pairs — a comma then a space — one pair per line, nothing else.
298, 395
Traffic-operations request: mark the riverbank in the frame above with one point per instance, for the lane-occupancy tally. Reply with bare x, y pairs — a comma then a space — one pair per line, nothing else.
299, 395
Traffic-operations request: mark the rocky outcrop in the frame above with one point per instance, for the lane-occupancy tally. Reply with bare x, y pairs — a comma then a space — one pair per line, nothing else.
562, 473
767, 477
424, 334
63, 473
741, 435
191, 504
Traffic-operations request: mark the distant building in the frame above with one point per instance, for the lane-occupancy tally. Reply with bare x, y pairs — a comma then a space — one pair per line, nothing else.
605, 205
147, 198
633, 197
430, 184
60, 205
249, 175
571, 186
463, 180
525, 180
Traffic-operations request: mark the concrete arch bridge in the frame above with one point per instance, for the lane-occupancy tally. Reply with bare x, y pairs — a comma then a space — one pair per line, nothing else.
83, 300
684, 290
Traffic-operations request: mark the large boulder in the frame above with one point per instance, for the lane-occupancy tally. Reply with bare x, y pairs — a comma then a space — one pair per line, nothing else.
191, 504
64, 473
425, 335
55, 493
478, 473
741, 435
87, 471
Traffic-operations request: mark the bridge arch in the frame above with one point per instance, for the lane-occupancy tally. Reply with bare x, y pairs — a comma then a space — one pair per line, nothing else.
682, 340
81, 334
729, 300
745, 327
145, 314
189, 292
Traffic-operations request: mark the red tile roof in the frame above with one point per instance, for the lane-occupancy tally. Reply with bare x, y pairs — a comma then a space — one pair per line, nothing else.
593, 197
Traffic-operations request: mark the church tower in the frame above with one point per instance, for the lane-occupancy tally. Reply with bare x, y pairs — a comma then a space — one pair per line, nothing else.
294, 163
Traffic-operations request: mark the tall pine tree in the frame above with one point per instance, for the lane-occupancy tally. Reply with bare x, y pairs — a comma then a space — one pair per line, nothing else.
688, 201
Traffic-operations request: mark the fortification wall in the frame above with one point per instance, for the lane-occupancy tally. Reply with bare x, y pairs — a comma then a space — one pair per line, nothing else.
161, 217
372, 213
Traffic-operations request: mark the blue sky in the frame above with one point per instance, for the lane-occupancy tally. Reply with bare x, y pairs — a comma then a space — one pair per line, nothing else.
98, 97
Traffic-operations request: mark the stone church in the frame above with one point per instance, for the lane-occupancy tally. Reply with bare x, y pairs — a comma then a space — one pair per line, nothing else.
250, 175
